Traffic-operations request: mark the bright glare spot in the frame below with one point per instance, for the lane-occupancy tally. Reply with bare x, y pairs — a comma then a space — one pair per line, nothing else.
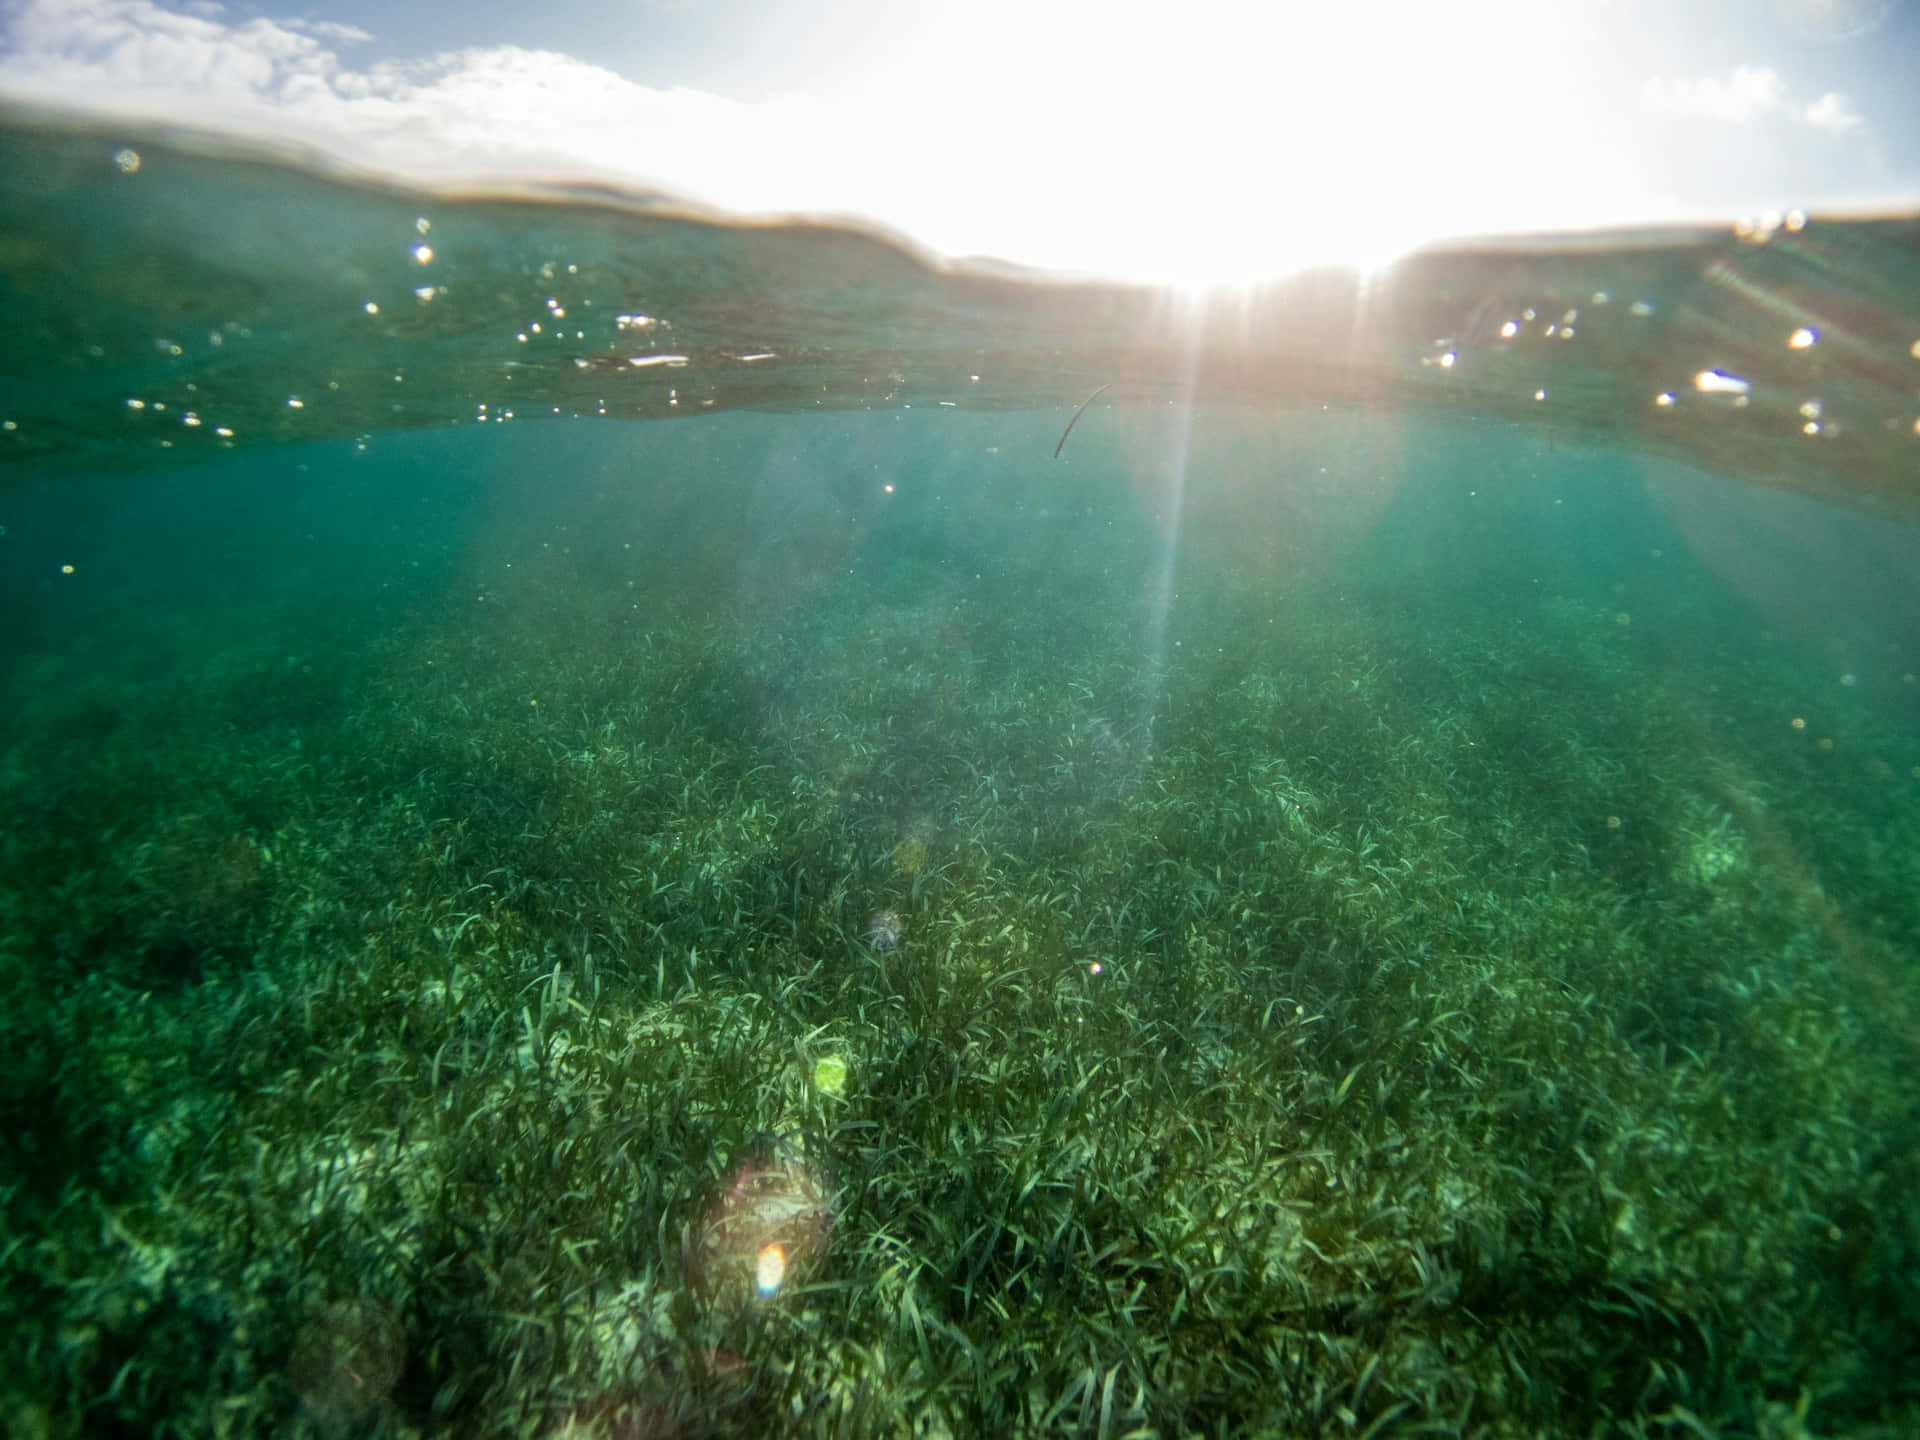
1764, 225
1539, 394
422, 225
294, 402
1812, 427
371, 308
1803, 338
66, 569
127, 161
1447, 360
888, 487
423, 254
1664, 399
1810, 409
133, 404
1718, 382
769, 1269
1509, 330
830, 1075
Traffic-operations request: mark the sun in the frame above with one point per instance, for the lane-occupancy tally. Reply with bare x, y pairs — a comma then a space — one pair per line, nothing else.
1215, 143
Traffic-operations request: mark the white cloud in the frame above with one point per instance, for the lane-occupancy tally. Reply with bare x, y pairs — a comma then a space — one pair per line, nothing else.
329, 30
117, 53
1833, 113
499, 113
1752, 94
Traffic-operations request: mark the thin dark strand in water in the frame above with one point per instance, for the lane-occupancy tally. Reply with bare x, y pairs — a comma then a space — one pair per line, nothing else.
1077, 414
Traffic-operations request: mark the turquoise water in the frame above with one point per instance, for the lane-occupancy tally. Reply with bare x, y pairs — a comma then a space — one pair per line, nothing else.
1353, 900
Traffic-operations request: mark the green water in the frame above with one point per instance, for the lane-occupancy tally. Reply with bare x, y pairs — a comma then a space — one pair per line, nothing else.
1407, 897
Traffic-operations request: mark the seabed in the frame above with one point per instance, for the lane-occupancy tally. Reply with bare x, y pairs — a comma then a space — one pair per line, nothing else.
1339, 1023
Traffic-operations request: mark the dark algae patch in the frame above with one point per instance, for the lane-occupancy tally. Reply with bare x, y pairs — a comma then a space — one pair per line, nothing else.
1357, 917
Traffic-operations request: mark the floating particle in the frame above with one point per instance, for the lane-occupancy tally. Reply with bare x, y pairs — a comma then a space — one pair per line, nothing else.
1076, 416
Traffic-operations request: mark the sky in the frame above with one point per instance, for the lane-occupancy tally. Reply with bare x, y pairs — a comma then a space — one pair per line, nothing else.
1186, 141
